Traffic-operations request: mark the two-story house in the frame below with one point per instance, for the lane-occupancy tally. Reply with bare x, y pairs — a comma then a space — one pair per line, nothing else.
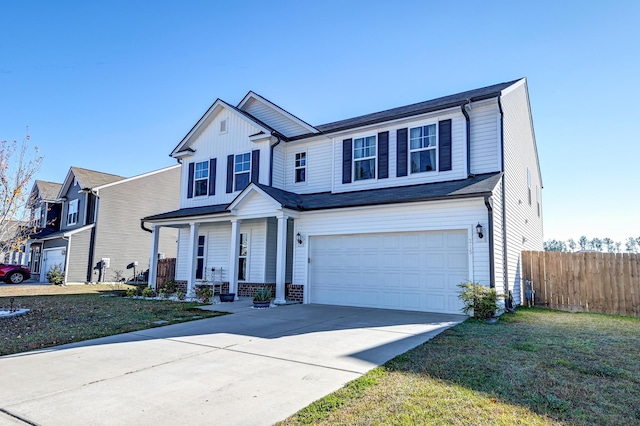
392, 209
100, 231
45, 217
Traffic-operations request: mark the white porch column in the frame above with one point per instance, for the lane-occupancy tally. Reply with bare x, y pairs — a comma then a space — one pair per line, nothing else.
281, 259
193, 259
234, 252
153, 258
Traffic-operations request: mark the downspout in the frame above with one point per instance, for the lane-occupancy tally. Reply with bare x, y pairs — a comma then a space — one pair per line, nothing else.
271, 157
466, 116
144, 228
488, 201
92, 237
505, 269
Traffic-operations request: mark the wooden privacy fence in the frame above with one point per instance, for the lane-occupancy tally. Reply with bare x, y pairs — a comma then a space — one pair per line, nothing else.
584, 282
166, 271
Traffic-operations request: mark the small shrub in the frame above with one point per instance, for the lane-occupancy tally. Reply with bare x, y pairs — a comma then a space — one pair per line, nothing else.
55, 275
163, 294
181, 295
479, 299
204, 294
132, 291
262, 295
170, 287
148, 292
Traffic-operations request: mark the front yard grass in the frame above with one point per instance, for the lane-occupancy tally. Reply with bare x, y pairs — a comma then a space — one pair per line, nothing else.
68, 314
537, 366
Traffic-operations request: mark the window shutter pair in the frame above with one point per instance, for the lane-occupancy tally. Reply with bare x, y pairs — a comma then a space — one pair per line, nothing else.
383, 157
255, 169
212, 178
444, 148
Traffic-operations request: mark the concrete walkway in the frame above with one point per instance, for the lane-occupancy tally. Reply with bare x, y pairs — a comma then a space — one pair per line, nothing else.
253, 367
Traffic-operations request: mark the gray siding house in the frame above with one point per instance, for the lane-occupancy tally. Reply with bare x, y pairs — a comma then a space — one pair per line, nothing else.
45, 217
100, 231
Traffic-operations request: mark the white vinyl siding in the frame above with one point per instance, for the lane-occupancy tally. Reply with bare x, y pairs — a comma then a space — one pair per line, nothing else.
458, 154
485, 137
524, 227
319, 166
210, 144
274, 119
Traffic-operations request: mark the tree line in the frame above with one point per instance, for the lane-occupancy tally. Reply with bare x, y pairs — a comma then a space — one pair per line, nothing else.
607, 245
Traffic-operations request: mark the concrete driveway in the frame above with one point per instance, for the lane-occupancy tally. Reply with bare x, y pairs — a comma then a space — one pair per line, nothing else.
253, 367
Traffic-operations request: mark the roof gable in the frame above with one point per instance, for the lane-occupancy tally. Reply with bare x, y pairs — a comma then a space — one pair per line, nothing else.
253, 199
87, 179
47, 191
184, 146
274, 116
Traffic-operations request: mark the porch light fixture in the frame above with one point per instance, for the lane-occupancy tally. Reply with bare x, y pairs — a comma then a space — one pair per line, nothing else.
479, 230
299, 238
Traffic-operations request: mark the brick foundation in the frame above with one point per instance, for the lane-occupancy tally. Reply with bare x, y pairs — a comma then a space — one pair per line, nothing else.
292, 292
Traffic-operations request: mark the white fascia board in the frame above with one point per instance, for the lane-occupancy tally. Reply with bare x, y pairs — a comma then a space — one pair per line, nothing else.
514, 86
268, 103
98, 188
206, 118
75, 231
185, 221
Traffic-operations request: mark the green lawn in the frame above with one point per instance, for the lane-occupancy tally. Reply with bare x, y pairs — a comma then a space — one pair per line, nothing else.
533, 367
74, 313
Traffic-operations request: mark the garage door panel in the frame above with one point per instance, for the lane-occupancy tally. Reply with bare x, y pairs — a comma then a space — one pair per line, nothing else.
413, 271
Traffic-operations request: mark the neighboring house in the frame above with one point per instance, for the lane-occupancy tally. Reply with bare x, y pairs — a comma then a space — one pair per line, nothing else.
100, 232
45, 220
13, 239
391, 210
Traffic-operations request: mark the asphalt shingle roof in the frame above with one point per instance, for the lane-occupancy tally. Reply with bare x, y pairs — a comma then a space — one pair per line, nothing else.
91, 178
188, 212
48, 190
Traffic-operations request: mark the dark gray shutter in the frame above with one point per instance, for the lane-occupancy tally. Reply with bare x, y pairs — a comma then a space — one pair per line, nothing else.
255, 166
383, 155
229, 174
444, 148
347, 152
401, 150
212, 176
190, 180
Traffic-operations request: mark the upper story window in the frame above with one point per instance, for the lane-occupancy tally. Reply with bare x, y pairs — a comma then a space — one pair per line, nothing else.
301, 167
423, 145
201, 178
364, 158
242, 171
37, 216
72, 213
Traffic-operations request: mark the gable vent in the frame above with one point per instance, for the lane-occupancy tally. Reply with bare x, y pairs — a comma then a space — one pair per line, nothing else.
223, 126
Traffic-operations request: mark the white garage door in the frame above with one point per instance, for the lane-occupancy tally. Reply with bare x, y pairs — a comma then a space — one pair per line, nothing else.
51, 257
417, 271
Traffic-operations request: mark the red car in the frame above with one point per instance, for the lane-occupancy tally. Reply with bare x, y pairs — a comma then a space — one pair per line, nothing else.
14, 274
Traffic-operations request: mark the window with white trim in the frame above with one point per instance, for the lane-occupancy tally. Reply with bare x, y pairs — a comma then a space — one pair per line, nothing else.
243, 255
301, 167
37, 217
364, 158
423, 148
200, 255
538, 199
72, 212
242, 171
201, 178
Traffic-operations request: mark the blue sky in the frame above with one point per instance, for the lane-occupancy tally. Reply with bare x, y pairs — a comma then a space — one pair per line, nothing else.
114, 86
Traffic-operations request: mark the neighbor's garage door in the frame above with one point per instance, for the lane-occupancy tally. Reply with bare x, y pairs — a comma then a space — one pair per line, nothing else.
51, 257
417, 271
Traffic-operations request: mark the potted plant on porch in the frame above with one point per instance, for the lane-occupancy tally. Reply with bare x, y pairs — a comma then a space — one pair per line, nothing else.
262, 298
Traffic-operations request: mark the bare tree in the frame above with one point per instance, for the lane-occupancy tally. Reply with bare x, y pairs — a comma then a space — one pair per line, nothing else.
18, 166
